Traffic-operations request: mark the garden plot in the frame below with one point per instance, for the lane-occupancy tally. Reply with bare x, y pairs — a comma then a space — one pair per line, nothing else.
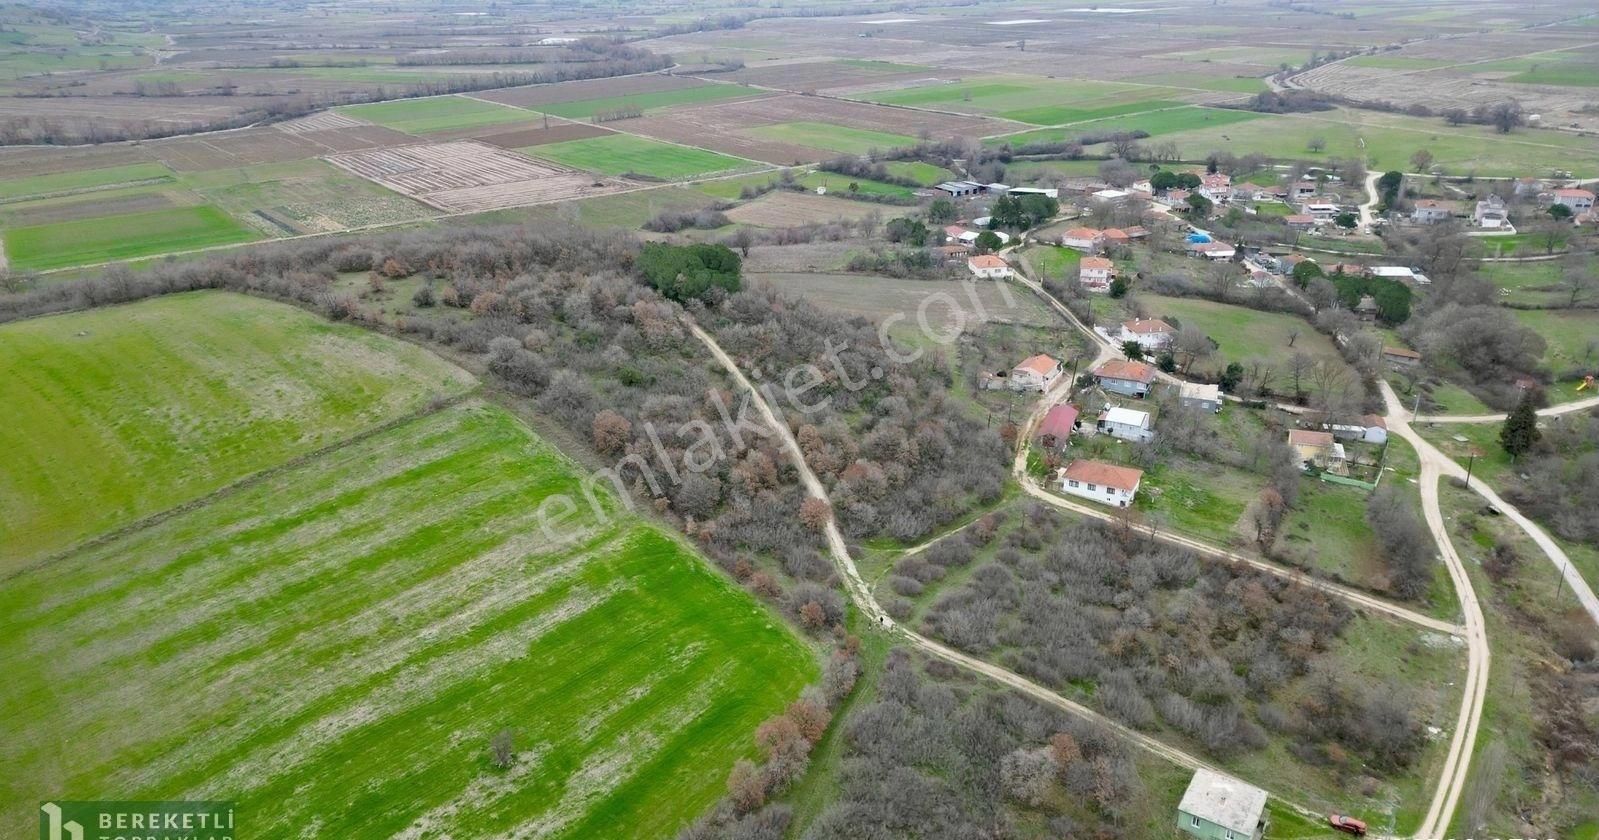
466, 176
322, 121
784, 208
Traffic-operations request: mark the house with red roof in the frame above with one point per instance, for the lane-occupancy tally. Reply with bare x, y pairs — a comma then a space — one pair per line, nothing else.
1095, 273
1150, 333
1110, 484
1058, 425
1087, 240
1035, 373
988, 266
1580, 201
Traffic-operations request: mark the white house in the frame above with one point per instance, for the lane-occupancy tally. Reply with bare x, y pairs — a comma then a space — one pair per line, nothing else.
1580, 201
1150, 333
1101, 482
1370, 429
1087, 240
988, 266
1218, 251
1035, 373
1320, 211
1490, 213
1200, 396
1430, 211
1095, 273
1111, 196
1403, 274
1127, 424
1216, 186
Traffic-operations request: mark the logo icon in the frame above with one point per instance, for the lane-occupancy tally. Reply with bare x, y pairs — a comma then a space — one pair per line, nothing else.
57, 827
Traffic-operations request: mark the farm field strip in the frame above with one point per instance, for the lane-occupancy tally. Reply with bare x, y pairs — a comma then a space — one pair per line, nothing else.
623, 154
647, 101
82, 181
124, 236
436, 113
362, 624
464, 176
122, 412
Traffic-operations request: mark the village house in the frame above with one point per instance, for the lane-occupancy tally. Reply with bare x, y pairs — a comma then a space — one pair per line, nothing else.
1216, 186
956, 233
1057, 427
1177, 198
1316, 449
1401, 273
1049, 192
1218, 251
1129, 379
1300, 221
953, 253
1111, 196
1127, 424
1428, 211
1200, 396
988, 266
1217, 807
1490, 213
1035, 373
1150, 333
1370, 429
1087, 240
1400, 357
1366, 308
959, 189
1580, 201
1115, 236
1320, 211
1101, 482
1095, 273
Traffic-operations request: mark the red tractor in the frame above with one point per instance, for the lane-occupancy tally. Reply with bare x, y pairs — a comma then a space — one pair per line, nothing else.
1348, 825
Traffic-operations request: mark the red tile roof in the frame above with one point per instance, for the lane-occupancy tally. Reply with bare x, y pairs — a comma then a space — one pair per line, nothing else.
1147, 326
1574, 193
1096, 262
1308, 437
1040, 364
1083, 233
1120, 369
986, 261
1109, 475
1059, 422
1404, 352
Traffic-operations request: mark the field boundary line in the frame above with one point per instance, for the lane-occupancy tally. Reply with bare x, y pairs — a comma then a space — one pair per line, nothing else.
431, 407
120, 185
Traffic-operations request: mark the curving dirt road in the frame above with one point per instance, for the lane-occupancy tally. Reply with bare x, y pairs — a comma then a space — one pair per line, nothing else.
861, 594
1552, 411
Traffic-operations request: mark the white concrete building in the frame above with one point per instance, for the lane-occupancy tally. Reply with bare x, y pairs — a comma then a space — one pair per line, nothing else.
1127, 424
1098, 481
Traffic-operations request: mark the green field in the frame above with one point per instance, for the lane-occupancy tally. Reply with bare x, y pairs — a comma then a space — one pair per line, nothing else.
647, 101
1388, 140
1572, 336
333, 648
1221, 84
1243, 333
118, 413
1157, 123
1028, 98
620, 154
837, 138
83, 179
122, 237
926, 173
435, 113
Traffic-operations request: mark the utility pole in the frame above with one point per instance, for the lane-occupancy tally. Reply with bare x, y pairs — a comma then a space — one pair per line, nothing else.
1471, 459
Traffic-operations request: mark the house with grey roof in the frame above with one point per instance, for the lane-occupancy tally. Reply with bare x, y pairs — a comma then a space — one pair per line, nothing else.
1217, 807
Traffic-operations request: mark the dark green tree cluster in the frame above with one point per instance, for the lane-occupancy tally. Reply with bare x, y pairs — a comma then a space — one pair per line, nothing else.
1167, 180
906, 230
1023, 211
1392, 297
690, 272
1388, 188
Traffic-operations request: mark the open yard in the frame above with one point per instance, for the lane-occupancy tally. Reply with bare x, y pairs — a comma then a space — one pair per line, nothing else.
435, 113
875, 298
1241, 334
121, 237
1572, 336
624, 154
335, 647
116, 414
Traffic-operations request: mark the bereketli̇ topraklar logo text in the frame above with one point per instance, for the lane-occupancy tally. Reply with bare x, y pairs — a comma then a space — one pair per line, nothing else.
89, 820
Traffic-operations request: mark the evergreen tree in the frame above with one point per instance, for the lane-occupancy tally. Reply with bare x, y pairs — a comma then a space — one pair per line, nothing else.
1520, 431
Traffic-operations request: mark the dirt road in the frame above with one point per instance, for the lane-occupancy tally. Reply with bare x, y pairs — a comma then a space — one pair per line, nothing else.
861, 594
1552, 411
